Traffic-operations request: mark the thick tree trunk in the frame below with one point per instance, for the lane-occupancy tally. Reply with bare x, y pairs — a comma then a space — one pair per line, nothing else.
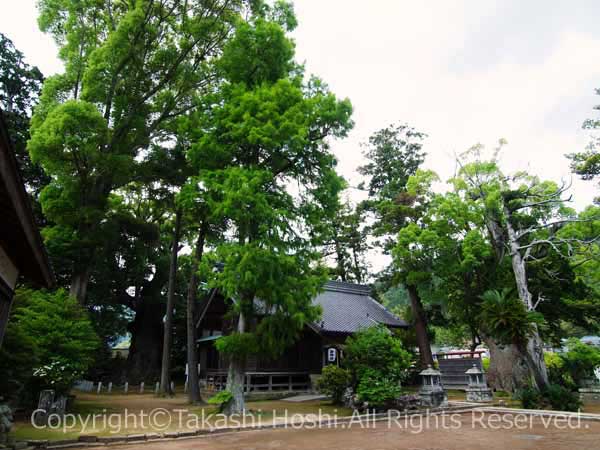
420, 319
143, 362
192, 350
509, 369
79, 283
235, 377
165, 373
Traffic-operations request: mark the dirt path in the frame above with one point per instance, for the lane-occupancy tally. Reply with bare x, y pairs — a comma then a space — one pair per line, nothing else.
467, 433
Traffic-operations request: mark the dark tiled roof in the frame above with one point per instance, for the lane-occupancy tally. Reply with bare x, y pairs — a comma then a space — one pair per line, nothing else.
348, 307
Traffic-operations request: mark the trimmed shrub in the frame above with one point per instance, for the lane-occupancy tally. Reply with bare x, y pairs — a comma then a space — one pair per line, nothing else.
376, 390
333, 382
377, 349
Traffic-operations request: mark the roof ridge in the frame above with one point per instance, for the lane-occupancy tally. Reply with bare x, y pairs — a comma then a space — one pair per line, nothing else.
344, 286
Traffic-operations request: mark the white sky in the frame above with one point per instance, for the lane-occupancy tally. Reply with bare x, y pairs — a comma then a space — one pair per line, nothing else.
463, 71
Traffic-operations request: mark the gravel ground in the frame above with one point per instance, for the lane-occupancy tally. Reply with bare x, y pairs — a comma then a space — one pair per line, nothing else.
459, 432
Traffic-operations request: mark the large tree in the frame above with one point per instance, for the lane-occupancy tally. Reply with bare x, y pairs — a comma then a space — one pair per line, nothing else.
523, 216
131, 68
20, 86
393, 155
345, 237
263, 158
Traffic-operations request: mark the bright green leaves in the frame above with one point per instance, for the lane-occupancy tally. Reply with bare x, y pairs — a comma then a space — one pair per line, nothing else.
263, 165
237, 344
258, 53
68, 142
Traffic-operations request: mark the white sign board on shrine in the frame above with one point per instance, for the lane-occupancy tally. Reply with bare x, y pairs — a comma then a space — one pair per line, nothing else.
332, 354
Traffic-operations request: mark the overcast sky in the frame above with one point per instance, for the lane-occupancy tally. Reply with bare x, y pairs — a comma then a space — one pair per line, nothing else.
464, 72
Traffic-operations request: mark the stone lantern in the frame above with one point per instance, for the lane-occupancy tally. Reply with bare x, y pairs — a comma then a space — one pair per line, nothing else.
432, 392
478, 390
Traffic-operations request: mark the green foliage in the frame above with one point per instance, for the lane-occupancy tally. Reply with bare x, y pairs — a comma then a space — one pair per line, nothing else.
557, 373
530, 398
485, 363
238, 344
20, 86
580, 361
377, 389
556, 397
95, 122
373, 350
345, 240
59, 375
393, 155
561, 398
220, 399
504, 317
50, 332
265, 129
333, 382
587, 162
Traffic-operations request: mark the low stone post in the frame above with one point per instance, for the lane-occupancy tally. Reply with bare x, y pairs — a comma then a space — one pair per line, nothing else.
142, 387
173, 387
109, 390
6, 423
99, 387
126, 388
157, 388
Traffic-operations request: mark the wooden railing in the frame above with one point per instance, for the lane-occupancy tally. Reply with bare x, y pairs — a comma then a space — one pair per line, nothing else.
263, 381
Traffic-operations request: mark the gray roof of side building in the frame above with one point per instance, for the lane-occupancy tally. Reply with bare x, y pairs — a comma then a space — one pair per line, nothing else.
348, 307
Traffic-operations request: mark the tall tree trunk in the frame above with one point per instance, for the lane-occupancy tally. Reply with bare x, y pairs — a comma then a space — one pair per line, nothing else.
143, 361
235, 376
420, 326
79, 283
533, 350
165, 373
192, 350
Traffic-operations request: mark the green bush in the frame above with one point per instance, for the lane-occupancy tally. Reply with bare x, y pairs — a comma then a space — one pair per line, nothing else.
333, 382
562, 399
530, 398
580, 361
377, 364
50, 342
378, 391
376, 349
554, 397
557, 373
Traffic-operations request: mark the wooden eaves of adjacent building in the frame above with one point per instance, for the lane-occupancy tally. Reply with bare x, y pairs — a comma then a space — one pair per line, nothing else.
22, 253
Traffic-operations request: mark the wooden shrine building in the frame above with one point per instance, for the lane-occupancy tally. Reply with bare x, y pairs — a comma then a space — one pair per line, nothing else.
346, 307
